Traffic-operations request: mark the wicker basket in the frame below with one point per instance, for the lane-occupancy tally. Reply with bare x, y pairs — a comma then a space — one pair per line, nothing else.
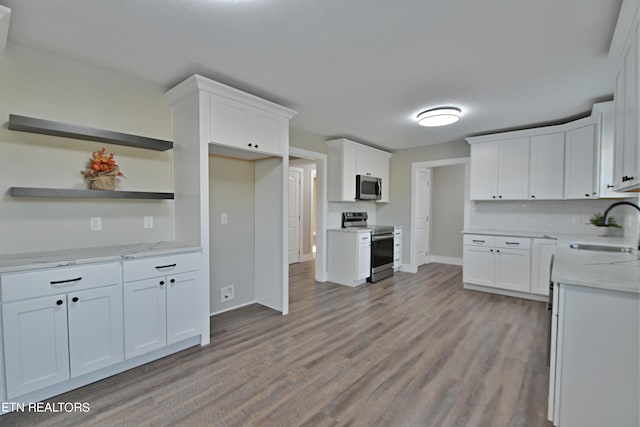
105, 182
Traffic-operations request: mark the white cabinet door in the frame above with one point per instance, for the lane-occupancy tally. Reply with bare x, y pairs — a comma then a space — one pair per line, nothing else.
513, 169
478, 266
96, 334
513, 269
580, 163
366, 163
484, 171
364, 260
618, 144
541, 252
242, 126
36, 344
265, 131
145, 316
546, 167
228, 122
182, 306
606, 127
630, 144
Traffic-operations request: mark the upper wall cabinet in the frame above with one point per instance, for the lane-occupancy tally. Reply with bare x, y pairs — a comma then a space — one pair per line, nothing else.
550, 163
581, 163
499, 170
605, 115
546, 166
626, 146
346, 159
244, 126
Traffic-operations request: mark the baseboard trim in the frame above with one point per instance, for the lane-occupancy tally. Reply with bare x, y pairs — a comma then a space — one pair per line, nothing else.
232, 308
505, 292
306, 257
445, 260
408, 268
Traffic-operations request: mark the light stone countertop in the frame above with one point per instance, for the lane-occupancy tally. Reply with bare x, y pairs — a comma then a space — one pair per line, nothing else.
596, 269
512, 233
66, 257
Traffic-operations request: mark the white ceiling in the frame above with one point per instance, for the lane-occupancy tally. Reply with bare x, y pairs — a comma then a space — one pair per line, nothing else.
360, 69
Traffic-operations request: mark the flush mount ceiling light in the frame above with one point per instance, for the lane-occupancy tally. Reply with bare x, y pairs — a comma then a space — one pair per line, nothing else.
440, 116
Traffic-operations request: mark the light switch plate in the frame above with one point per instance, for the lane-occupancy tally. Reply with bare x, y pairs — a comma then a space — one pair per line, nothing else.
96, 223
224, 218
148, 222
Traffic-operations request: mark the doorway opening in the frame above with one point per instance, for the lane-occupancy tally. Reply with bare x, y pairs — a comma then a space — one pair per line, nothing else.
439, 193
312, 208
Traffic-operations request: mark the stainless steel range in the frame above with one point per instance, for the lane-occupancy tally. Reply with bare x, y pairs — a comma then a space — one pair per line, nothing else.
381, 244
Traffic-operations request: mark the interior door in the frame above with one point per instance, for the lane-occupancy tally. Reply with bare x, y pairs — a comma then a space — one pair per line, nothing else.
423, 195
295, 177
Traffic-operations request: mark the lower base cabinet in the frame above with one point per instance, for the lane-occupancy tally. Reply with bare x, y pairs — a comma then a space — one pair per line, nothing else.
60, 324
595, 348
515, 266
70, 325
162, 309
349, 260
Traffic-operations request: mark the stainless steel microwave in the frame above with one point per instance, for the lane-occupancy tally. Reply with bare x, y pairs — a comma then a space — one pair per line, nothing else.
368, 188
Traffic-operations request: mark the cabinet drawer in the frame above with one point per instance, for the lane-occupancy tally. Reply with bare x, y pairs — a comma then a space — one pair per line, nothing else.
146, 268
42, 283
513, 242
478, 240
364, 238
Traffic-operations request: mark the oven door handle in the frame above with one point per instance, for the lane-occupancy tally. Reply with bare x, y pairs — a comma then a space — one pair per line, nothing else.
375, 238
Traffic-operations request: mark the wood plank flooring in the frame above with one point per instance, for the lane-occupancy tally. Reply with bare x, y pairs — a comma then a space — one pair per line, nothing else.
411, 350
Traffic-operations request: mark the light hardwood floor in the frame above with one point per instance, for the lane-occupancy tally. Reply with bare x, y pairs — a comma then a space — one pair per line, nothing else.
411, 350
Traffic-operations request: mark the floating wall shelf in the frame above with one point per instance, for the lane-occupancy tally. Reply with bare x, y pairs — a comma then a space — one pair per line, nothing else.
48, 127
87, 194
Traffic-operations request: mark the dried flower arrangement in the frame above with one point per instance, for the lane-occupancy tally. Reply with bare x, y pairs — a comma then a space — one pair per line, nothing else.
102, 171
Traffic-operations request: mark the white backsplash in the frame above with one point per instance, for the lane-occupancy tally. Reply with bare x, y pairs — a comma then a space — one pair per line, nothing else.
559, 217
334, 218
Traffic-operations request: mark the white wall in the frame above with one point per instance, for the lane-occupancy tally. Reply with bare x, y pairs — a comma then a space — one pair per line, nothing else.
48, 86
447, 211
231, 191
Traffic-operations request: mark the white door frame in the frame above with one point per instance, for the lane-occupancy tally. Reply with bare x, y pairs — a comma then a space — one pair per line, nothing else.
415, 166
321, 208
300, 171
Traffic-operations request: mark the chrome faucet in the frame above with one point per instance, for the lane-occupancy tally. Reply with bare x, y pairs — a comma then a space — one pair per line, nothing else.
603, 221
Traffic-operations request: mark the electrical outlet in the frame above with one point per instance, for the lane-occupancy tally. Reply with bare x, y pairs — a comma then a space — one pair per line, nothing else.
96, 223
226, 293
148, 222
224, 218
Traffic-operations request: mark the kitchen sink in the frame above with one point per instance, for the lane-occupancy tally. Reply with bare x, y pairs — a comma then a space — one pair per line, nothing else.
601, 248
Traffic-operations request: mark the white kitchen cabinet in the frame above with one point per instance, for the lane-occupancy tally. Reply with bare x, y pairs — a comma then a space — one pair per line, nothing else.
542, 250
594, 357
397, 248
500, 170
581, 163
55, 321
513, 169
627, 164
145, 316
160, 301
349, 261
484, 171
182, 306
604, 114
240, 125
36, 343
546, 167
346, 159
497, 263
95, 329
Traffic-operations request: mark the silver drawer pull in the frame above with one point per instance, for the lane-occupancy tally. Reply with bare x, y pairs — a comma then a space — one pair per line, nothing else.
165, 266
513, 243
478, 241
62, 282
